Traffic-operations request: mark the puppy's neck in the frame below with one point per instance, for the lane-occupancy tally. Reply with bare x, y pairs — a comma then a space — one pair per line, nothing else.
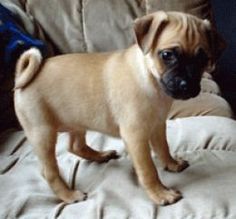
146, 73
151, 67
142, 72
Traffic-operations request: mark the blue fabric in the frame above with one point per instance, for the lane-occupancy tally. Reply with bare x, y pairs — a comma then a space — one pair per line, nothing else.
14, 41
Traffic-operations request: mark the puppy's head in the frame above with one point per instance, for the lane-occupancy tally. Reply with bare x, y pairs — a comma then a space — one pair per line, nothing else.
177, 49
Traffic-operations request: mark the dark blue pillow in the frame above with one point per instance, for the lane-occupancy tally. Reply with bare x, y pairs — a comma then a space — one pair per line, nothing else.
14, 41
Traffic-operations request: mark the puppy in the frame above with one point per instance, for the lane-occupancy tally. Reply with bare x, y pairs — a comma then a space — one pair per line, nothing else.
126, 94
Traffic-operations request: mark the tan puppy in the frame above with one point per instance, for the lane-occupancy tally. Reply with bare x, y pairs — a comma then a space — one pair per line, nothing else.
126, 93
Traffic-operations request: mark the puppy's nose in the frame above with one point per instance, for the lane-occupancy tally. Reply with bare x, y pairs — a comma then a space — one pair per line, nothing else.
177, 84
183, 85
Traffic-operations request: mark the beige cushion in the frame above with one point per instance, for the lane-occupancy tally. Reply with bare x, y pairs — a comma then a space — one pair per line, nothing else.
200, 8
208, 185
204, 104
208, 102
92, 25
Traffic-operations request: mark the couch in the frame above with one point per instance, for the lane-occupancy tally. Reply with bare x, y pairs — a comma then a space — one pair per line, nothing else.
200, 130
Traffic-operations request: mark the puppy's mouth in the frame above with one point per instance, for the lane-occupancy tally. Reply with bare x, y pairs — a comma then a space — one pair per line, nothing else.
182, 90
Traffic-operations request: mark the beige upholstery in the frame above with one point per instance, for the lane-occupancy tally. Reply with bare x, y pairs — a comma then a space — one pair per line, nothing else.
92, 25
208, 185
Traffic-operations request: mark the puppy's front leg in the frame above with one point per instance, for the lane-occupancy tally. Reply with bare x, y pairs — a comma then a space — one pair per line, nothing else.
160, 146
139, 151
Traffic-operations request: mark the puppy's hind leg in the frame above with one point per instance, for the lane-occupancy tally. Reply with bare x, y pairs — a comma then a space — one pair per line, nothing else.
79, 147
44, 140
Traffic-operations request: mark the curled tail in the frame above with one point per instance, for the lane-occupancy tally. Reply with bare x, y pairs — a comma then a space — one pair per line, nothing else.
27, 67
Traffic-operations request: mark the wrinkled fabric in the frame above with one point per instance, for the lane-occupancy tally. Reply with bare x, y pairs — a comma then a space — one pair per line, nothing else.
200, 8
208, 185
91, 25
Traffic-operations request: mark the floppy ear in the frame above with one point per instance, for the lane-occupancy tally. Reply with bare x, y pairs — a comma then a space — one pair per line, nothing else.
220, 44
147, 27
216, 42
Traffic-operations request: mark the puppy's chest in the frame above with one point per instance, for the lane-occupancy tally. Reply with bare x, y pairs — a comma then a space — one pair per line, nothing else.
162, 104
156, 99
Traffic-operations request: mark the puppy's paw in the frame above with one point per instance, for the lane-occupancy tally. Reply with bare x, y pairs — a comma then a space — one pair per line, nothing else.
176, 165
73, 196
107, 155
166, 197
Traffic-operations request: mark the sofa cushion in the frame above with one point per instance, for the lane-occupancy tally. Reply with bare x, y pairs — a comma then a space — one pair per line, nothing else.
200, 8
208, 185
79, 26
208, 102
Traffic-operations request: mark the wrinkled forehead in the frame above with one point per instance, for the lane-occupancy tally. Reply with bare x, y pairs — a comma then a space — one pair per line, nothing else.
187, 32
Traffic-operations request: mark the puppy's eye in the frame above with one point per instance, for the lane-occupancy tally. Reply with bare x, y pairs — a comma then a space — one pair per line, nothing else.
167, 55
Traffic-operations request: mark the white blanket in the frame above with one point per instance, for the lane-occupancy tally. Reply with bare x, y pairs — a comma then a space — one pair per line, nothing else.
208, 185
